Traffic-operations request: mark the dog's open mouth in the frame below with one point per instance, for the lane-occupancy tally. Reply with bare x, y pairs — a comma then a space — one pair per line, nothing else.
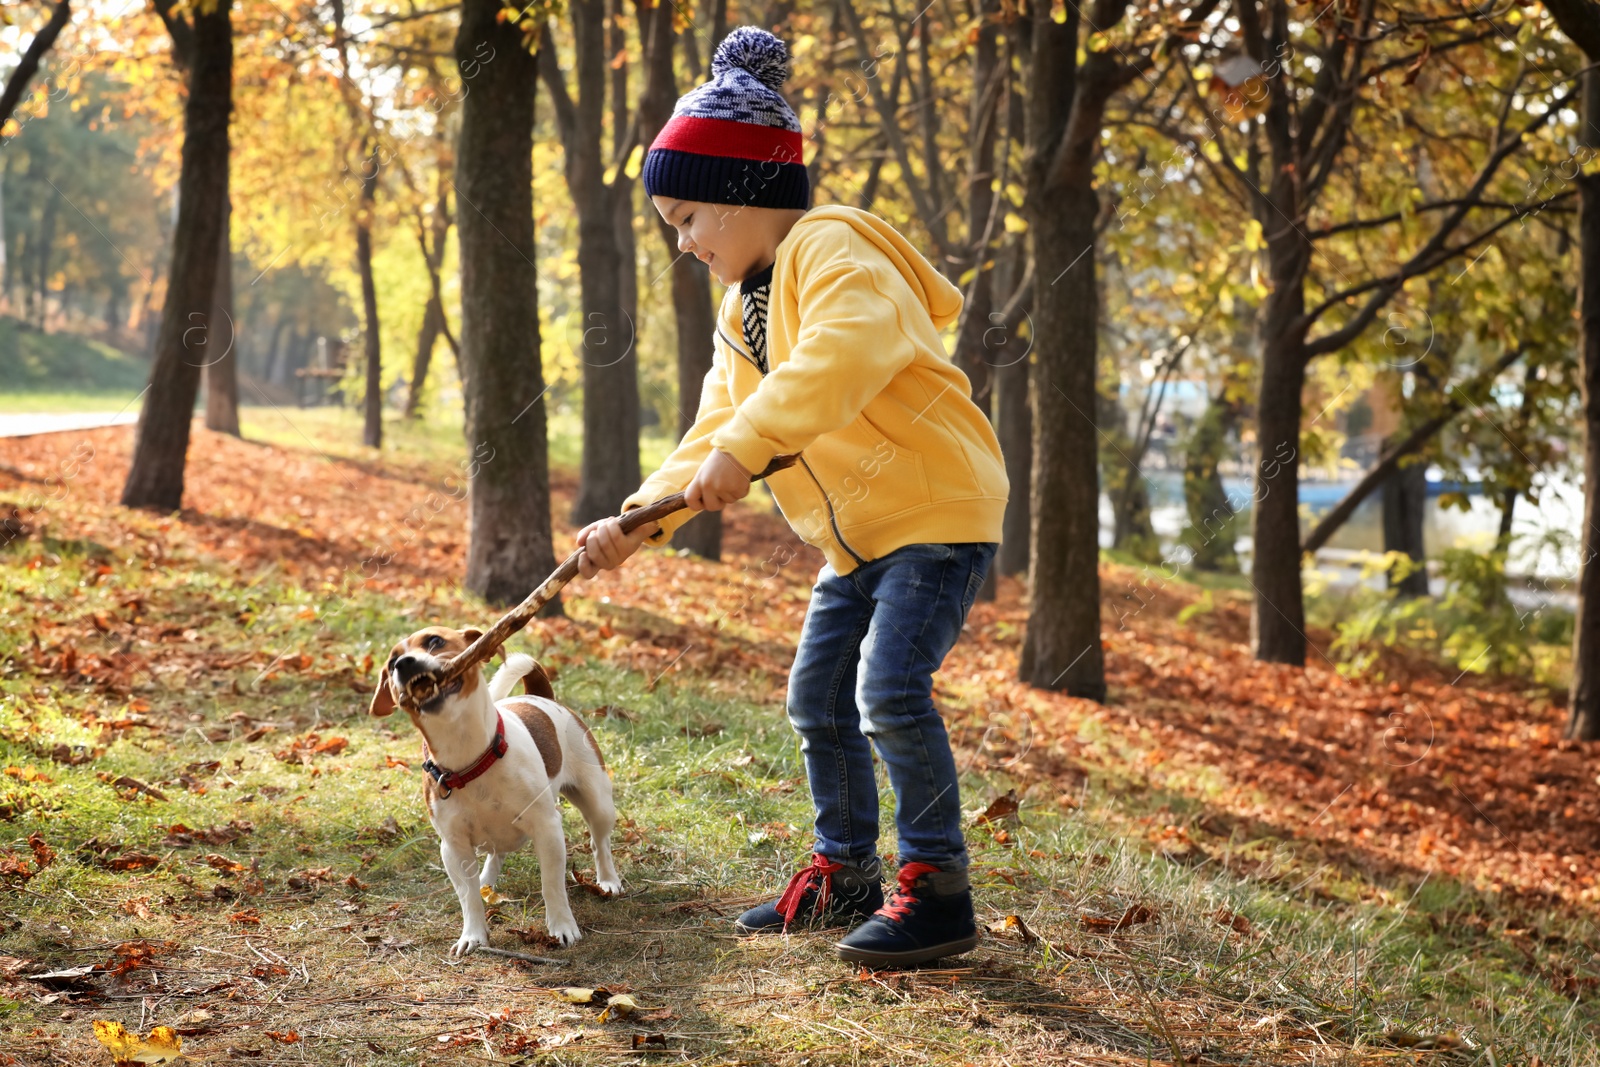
433, 702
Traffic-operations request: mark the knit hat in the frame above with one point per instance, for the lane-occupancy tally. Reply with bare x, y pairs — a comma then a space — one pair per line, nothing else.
735, 139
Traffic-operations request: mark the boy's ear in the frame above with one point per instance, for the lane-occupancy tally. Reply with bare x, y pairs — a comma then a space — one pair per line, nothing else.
383, 698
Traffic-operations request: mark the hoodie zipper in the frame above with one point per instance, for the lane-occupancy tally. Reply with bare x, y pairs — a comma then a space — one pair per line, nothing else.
833, 519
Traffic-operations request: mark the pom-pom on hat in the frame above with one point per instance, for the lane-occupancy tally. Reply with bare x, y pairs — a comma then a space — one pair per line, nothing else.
735, 139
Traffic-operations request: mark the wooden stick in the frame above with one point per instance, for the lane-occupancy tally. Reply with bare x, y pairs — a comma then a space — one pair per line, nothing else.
523, 956
425, 686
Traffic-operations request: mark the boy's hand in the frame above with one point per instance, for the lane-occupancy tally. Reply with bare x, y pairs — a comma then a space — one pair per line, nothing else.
606, 547
719, 482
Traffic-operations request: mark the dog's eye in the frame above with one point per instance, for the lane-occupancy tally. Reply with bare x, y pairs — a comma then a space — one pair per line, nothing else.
433, 643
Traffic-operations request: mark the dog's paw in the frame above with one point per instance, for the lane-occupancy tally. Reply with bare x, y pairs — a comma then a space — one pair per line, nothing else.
469, 941
564, 930
611, 889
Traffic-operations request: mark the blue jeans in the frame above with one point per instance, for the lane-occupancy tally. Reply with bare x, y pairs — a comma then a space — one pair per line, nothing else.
871, 642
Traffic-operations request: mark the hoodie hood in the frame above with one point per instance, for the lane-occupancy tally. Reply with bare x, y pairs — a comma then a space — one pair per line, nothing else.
937, 293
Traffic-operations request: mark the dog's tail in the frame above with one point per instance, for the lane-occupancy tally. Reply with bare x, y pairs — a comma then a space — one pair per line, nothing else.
517, 666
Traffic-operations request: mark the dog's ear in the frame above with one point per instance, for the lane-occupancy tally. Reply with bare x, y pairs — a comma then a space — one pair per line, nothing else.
472, 635
383, 698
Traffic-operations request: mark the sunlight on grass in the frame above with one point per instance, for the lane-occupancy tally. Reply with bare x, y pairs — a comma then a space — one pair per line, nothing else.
437, 443
108, 402
188, 766
307, 844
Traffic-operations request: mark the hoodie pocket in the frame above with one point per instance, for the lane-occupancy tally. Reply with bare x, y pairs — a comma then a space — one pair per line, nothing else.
878, 477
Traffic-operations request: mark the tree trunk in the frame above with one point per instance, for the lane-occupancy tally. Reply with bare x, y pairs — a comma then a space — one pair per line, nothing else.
41, 270
5, 263
433, 320
1580, 21
1584, 720
161, 441
372, 430
1015, 430
222, 368
1013, 417
1508, 499
971, 356
510, 548
1405, 501
1129, 492
1213, 528
427, 338
1277, 620
622, 216
601, 337
691, 279
1062, 648
275, 353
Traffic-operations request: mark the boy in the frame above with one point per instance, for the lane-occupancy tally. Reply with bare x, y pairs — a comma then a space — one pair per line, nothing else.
827, 344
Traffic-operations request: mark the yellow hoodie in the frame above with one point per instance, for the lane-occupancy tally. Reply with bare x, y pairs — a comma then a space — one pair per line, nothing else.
893, 450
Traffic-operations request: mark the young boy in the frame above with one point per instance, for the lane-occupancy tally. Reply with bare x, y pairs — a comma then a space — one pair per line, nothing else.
828, 345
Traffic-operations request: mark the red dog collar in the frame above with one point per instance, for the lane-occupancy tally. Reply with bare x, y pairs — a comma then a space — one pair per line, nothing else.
450, 781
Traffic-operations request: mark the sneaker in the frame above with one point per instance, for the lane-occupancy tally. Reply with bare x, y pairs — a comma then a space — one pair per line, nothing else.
929, 917
826, 893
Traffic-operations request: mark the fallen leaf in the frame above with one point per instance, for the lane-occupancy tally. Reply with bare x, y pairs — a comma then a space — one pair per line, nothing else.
1227, 918
14, 866
124, 781
491, 897
1002, 807
1135, 914
622, 1004
581, 995
1424, 1042
1012, 925
301, 749
158, 1046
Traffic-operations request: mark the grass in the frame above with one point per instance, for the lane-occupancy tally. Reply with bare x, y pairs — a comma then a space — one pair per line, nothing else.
64, 372
336, 432
312, 926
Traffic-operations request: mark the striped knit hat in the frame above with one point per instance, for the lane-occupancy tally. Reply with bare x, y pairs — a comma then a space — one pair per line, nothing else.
735, 139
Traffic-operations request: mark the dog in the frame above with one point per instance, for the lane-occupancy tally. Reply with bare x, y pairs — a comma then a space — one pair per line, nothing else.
495, 764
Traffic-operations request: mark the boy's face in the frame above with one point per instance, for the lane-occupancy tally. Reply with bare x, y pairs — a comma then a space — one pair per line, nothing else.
726, 237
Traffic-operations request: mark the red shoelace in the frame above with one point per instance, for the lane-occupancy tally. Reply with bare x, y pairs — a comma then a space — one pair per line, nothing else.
821, 867
905, 894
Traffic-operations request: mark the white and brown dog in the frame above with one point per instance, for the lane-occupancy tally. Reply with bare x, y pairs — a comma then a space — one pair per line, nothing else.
495, 765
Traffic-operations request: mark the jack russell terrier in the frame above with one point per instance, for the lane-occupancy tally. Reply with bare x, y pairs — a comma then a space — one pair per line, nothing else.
511, 756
